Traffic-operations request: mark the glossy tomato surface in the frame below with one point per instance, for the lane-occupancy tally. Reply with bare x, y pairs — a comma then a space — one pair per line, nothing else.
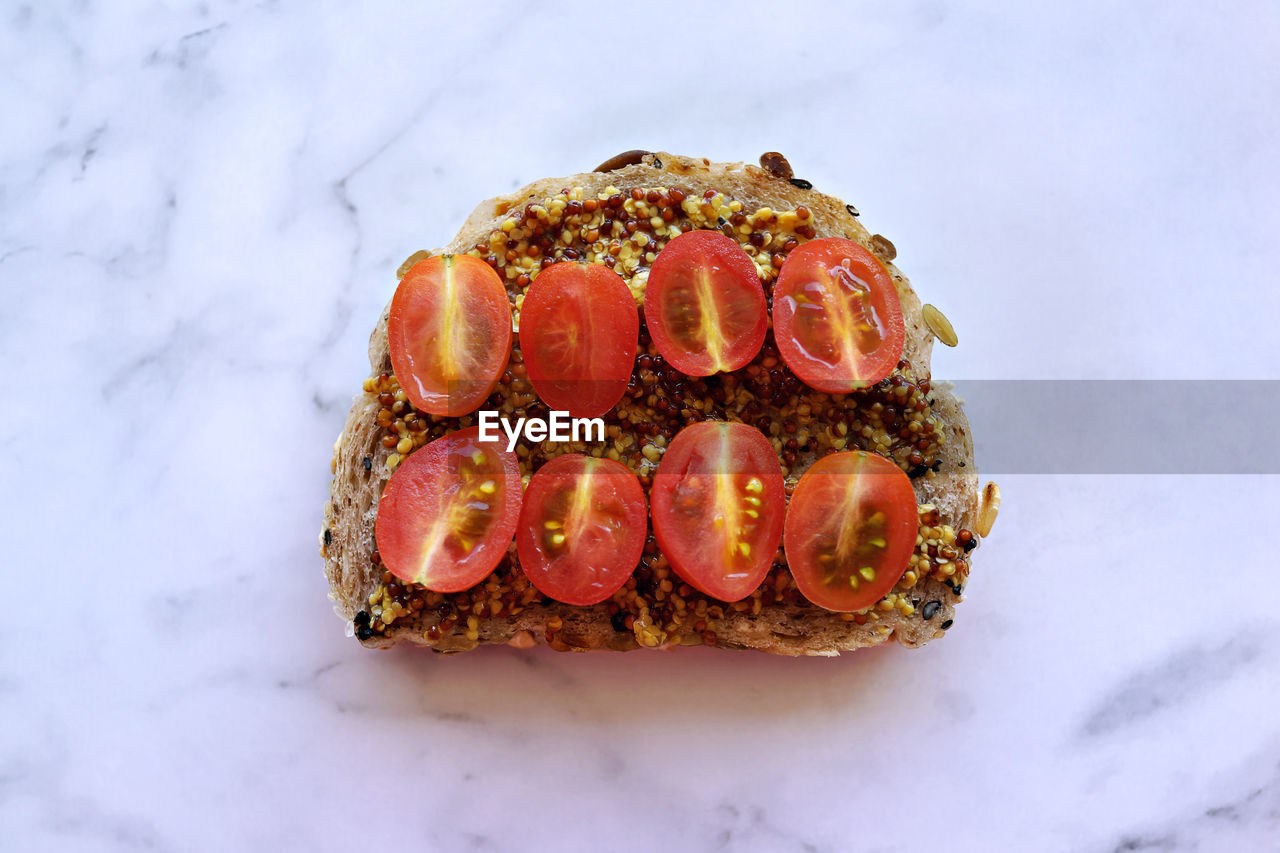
836, 316
449, 331
582, 528
704, 305
449, 512
578, 330
717, 505
850, 530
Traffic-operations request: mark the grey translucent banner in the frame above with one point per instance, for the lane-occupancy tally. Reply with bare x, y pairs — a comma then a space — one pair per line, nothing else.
1124, 426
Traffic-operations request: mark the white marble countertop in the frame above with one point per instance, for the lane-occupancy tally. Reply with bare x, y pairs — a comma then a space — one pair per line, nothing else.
202, 206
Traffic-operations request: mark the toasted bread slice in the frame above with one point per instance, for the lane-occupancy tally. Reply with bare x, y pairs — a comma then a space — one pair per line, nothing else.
655, 609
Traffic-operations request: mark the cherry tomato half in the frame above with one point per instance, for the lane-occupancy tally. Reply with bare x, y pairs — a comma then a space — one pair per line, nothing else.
851, 529
449, 512
578, 332
450, 333
717, 506
704, 304
582, 528
836, 316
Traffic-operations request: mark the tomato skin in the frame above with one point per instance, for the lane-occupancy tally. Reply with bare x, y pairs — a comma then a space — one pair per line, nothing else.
832, 532
447, 515
820, 309
727, 471
449, 332
704, 304
578, 332
597, 510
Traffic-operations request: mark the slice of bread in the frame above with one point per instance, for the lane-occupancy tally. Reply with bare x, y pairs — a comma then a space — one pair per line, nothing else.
655, 609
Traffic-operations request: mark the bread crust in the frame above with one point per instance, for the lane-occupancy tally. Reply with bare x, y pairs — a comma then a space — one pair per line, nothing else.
347, 542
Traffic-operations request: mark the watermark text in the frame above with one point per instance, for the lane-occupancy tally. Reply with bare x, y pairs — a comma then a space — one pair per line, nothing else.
558, 426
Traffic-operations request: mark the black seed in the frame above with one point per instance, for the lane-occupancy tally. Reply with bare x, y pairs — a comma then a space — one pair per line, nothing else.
328, 536
937, 463
368, 463
917, 471
363, 631
657, 164
801, 183
619, 622
959, 588
721, 221
972, 543
853, 211
945, 625
931, 609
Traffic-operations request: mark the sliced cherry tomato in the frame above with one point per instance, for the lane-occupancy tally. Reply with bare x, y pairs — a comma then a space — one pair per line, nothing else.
851, 529
582, 528
717, 505
449, 512
836, 316
578, 332
450, 333
704, 304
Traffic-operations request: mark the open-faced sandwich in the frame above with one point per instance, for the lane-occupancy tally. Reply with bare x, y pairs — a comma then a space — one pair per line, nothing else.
668, 402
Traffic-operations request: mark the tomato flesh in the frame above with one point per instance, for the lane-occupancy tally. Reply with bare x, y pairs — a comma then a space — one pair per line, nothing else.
704, 305
582, 529
449, 511
850, 530
836, 316
449, 332
578, 332
717, 507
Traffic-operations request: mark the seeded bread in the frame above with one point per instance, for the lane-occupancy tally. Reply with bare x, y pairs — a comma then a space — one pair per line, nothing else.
360, 471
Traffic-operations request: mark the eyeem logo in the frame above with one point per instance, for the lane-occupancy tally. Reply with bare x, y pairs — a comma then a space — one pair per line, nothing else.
558, 427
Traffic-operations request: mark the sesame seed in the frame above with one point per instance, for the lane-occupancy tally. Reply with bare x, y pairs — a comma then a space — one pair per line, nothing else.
882, 248
990, 509
939, 325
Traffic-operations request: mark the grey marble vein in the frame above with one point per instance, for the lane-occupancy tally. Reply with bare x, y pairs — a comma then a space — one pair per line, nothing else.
1184, 676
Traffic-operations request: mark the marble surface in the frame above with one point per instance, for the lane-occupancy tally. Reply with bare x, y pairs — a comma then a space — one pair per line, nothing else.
202, 206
